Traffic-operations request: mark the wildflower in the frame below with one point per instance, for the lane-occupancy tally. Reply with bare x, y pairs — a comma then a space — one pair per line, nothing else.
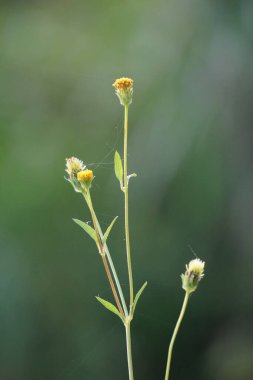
194, 273
74, 165
85, 177
124, 90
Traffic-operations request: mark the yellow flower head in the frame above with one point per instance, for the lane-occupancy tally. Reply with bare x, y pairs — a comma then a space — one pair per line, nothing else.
85, 176
194, 273
123, 84
124, 90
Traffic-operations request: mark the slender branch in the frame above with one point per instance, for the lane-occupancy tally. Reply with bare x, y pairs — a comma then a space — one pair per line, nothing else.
102, 253
129, 264
180, 318
112, 285
107, 252
129, 351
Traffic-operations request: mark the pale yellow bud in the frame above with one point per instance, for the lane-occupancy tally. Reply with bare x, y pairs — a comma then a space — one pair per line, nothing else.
194, 273
124, 90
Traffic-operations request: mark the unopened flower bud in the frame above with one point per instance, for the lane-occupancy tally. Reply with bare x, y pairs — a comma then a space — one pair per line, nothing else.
194, 273
124, 90
85, 177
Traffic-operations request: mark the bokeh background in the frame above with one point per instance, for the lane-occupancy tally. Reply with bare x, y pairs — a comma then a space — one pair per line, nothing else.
191, 143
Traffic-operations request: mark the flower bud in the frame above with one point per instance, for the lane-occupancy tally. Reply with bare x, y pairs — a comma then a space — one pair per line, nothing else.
85, 177
124, 90
73, 167
194, 273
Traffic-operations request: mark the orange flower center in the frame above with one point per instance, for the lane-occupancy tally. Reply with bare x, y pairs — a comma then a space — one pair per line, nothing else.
123, 84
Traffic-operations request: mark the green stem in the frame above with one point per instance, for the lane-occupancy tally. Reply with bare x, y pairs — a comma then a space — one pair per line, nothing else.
115, 276
129, 351
129, 264
180, 318
103, 255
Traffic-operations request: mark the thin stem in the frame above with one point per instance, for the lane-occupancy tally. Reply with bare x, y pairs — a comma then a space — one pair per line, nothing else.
107, 252
128, 252
129, 351
186, 298
129, 264
101, 250
112, 285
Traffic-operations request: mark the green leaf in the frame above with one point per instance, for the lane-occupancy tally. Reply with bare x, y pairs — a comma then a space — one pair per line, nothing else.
90, 231
107, 232
138, 295
118, 167
110, 306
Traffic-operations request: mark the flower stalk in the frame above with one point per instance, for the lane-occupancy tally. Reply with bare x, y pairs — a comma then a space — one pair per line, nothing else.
100, 246
127, 236
128, 251
124, 91
190, 281
115, 276
180, 318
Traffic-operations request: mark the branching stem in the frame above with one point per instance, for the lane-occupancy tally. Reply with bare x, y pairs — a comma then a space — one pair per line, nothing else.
104, 252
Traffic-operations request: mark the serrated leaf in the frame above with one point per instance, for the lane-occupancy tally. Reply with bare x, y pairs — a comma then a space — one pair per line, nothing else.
118, 167
110, 306
90, 231
107, 232
138, 295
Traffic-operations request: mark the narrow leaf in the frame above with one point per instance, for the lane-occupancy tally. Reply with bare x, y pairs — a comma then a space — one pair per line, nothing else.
110, 306
138, 295
107, 232
90, 231
118, 167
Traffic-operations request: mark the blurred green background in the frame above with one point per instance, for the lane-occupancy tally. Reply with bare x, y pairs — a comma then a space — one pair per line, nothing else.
191, 143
